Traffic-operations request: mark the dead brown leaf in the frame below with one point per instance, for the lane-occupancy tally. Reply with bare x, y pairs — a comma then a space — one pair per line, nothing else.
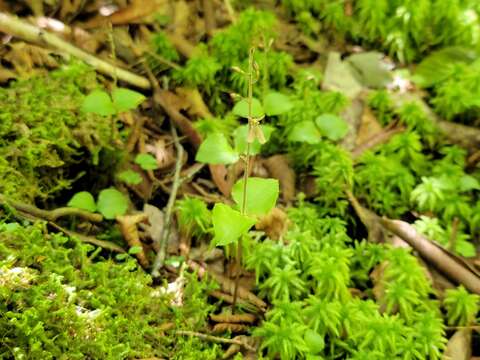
128, 227
275, 224
369, 126
459, 347
279, 168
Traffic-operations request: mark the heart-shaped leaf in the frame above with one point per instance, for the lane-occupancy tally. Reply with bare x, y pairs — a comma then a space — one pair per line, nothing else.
98, 102
241, 108
130, 177
305, 131
112, 203
146, 161
332, 126
276, 103
126, 99
215, 149
83, 200
262, 195
229, 224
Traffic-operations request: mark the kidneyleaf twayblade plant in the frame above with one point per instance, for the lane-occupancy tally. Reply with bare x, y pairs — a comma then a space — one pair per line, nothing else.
253, 197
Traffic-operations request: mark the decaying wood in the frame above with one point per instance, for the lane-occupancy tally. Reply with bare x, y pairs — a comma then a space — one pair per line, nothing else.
443, 260
233, 318
452, 266
14, 26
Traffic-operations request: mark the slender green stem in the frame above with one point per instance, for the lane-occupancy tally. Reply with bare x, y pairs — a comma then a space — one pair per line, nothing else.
246, 170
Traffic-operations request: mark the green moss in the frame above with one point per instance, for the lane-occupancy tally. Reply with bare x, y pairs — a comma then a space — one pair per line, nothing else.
42, 132
57, 303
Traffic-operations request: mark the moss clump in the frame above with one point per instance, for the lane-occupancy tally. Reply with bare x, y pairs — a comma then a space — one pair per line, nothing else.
57, 303
42, 132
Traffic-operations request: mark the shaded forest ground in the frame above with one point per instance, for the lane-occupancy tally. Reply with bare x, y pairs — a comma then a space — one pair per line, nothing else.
214, 179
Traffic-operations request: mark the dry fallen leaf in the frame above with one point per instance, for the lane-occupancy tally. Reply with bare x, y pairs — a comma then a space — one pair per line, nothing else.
369, 126
128, 227
275, 224
279, 168
459, 347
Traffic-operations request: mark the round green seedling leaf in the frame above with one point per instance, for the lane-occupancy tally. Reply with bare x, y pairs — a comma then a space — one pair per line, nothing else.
130, 177
314, 341
126, 99
468, 182
306, 132
229, 224
146, 161
215, 149
240, 137
262, 195
83, 200
112, 203
276, 104
135, 250
332, 126
241, 108
465, 248
98, 102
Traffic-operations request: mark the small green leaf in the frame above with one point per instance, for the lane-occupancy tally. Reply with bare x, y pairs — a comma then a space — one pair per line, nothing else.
276, 103
112, 203
241, 108
332, 126
146, 161
135, 250
314, 341
126, 99
83, 200
240, 137
121, 257
262, 195
215, 149
305, 131
130, 177
229, 224
98, 102
468, 182
465, 248
437, 66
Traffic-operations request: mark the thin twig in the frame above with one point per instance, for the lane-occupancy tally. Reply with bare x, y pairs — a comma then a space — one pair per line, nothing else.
216, 339
14, 26
160, 258
453, 236
89, 239
51, 215
209, 17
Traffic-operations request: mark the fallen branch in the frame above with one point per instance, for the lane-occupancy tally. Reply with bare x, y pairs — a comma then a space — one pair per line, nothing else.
434, 254
89, 239
216, 339
449, 264
14, 26
51, 215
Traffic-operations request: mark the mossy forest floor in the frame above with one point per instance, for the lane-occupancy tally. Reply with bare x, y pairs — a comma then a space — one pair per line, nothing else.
127, 132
